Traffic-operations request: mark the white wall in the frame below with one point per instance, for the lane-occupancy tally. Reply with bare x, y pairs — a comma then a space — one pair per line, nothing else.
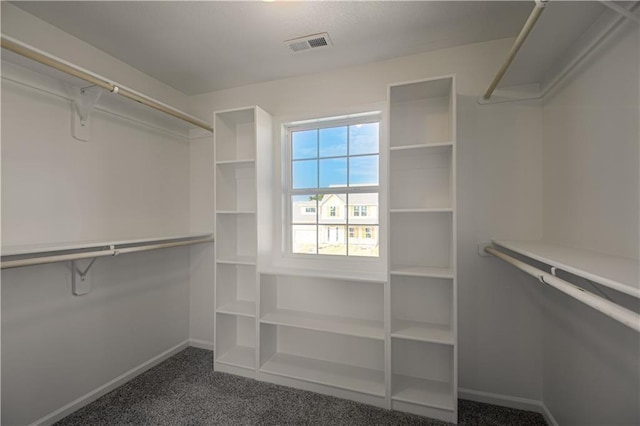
498, 323
591, 200
128, 181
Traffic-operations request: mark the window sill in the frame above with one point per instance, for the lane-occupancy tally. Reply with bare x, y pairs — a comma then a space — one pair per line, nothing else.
354, 275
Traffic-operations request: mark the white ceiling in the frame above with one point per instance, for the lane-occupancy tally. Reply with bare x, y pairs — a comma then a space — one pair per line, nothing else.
198, 47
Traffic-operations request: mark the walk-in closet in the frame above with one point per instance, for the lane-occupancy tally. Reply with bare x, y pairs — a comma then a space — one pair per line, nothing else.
318, 212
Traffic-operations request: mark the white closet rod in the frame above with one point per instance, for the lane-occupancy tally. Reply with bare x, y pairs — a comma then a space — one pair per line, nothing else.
113, 250
524, 33
45, 58
612, 310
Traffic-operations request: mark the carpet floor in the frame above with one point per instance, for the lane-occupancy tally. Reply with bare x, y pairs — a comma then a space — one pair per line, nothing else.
184, 390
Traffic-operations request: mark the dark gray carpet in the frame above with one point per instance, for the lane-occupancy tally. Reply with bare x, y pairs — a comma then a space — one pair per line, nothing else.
184, 390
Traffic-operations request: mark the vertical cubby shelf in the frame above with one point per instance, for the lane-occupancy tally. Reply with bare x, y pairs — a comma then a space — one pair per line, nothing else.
236, 187
422, 247
420, 179
421, 113
242, 140
422, 375
236, 291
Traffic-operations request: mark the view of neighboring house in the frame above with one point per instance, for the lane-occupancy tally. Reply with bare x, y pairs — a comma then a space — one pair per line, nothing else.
338, 223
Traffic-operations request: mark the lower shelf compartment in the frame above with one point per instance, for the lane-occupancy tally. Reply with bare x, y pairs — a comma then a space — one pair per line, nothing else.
239, 356
333, 374
429, 393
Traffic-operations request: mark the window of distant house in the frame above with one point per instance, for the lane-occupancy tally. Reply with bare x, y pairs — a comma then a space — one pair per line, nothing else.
360, 211
333, 187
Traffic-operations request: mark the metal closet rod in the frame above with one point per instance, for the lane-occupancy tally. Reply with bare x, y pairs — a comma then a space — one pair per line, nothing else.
524, 33
113, 250
612, 310
49, 60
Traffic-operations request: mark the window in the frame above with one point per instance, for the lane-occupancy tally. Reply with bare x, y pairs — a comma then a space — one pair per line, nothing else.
359, 211
368, 232
334, 173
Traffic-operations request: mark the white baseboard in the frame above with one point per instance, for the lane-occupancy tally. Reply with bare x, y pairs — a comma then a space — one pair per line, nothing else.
202, 344
88, 398
548, 416
508, 401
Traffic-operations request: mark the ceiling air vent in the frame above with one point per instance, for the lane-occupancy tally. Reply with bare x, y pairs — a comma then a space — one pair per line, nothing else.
313, 41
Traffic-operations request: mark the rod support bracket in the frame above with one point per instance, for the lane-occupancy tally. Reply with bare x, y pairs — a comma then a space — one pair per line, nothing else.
481, 248
84, 99
541, 3
80, 278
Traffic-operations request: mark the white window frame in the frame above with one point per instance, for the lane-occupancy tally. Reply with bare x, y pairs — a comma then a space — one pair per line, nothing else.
288, 191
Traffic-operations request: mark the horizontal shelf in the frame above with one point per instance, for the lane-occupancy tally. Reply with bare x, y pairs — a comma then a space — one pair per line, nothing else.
619, 273
330, 274
238, 307
244, 161
349, 377
32, 249
239, 356
339, 325
423, 210
235, 212
422, 271
422, 331
429, 393
21, 256
420, 146
238, 260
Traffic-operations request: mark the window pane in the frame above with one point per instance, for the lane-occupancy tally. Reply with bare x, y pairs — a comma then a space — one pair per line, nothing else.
363, 171
333, 172
333, 141
303, 239
304, 208
332, 240
304, 174
363, 208
333, 209
363, 139
304, 144
365, 241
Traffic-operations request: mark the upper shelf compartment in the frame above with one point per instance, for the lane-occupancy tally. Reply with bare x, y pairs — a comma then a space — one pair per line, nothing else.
26, 65
235, 140
619, 273
421, 113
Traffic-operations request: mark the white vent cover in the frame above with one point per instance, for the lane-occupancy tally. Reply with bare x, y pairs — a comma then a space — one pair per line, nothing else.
313, 41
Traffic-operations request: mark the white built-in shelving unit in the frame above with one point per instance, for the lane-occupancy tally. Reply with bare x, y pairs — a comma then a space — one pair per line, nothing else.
385, 339
243, 164
422, 248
